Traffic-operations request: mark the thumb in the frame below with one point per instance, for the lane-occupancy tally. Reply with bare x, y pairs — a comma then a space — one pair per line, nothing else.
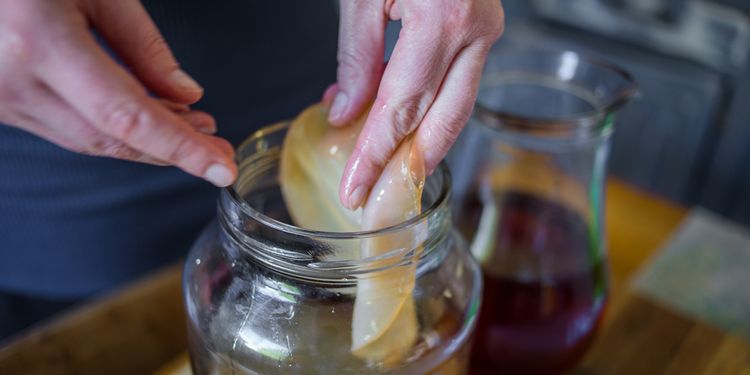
360, 56
132, 34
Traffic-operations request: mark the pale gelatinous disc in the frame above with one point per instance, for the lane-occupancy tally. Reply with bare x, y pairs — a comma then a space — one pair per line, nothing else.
384, 323
312, 163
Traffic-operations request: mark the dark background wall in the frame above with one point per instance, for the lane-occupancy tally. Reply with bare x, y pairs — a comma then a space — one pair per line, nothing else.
687, 137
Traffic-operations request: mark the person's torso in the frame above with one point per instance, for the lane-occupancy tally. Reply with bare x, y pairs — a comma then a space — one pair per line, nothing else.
71, 225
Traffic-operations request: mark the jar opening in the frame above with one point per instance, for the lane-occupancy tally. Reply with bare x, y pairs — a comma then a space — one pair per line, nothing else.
253, 213
558, 93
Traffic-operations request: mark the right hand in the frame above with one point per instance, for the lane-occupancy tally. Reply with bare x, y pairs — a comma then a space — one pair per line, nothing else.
428, 88
58, 83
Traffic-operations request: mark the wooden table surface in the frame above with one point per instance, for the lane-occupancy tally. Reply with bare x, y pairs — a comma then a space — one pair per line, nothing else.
141, 329
640, 336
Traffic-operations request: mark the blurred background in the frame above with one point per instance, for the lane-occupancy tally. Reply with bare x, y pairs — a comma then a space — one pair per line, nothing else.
687, 137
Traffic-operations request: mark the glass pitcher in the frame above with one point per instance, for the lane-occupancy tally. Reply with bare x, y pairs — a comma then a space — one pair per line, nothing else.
266, 297
530, 170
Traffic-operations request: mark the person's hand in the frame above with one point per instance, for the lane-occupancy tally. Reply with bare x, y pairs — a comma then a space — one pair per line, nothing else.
58, 83
428, 87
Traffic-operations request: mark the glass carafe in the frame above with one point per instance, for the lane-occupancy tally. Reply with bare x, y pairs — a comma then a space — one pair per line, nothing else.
530, 172
266, 297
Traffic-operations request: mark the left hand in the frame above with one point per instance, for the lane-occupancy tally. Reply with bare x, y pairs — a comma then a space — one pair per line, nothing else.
428, 87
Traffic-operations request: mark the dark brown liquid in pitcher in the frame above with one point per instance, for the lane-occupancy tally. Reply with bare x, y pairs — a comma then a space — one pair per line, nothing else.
544, 291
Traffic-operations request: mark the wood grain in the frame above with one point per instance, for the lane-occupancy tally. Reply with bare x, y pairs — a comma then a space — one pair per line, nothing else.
640, 336
638, 223
142, 328
133, 332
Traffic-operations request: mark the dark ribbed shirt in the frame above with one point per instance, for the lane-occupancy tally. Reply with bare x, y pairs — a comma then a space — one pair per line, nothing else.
74, 225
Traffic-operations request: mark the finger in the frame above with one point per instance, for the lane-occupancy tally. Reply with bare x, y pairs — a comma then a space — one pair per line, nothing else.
410, 83
132, 34
22, 103
173, 106
112, 101
115, 149
330, 94
452, 107
200, 121
35, 127
52, 119
360, 56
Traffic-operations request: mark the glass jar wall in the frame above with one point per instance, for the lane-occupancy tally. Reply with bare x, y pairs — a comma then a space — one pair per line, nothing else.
266, 297
530, 170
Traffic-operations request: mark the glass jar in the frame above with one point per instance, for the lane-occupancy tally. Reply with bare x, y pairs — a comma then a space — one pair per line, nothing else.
266, 297
530, 171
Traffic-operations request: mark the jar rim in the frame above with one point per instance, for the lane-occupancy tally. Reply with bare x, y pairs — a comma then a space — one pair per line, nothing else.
320, 256
585, 120
441, 172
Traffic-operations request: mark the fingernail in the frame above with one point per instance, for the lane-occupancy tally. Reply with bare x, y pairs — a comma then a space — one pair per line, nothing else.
200, 126
182, 80
338, 107
207, 131
219, 175
330, 94
357, 197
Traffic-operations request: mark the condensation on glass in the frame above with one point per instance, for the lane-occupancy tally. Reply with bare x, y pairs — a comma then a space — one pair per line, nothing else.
266, 297
530, 171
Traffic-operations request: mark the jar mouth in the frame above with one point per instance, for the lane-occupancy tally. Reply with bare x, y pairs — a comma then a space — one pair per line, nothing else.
561, 77
255, 229
440, 172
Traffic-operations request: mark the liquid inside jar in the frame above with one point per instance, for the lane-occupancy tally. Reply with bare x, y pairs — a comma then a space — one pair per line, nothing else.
290, 327
286, 281
544, 293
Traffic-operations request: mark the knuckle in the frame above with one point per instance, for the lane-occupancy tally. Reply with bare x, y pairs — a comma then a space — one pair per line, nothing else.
404, 119
407, 113
460, 16
15, 46
224, 144
494, 23
114, 149
179, 150
450, 130
124, 120
496, 27
415, 22
154, 46
482, 20
447, 133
